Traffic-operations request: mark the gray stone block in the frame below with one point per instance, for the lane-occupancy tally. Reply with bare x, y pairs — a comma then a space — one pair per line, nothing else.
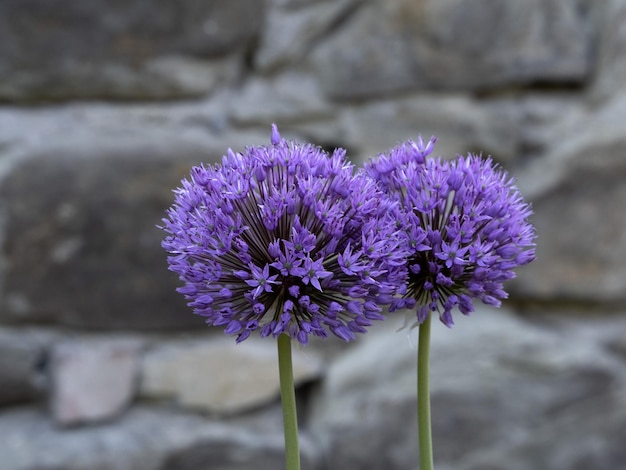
93, 380
578, 195
23, 360
144, 439
500, 387
216, 375
391, 47
81, 244
81, 194
128, 50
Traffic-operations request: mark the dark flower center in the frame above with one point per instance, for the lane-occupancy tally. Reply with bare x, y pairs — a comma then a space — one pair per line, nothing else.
417, 281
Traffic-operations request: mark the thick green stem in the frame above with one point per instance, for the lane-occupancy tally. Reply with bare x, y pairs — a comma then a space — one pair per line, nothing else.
288, 399
423, 397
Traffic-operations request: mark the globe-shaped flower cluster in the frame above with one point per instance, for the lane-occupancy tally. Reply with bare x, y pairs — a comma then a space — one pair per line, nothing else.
466, 227
285, 238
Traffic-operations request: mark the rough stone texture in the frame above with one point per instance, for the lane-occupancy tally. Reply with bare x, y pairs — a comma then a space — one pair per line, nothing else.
144, 439
459, 122
82, 194
592, 439
92, 380
249, 450
499, 385
292, 28
286, 99
394, 46
132, 49
611, 69
542, 118
218, 376
578, 196
79, 247
23, 356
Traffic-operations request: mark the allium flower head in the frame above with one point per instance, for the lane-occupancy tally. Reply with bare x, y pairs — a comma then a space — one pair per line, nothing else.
285, 239
466, 226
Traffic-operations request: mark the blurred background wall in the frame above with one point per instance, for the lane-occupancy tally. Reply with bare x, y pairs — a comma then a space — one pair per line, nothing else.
105, 105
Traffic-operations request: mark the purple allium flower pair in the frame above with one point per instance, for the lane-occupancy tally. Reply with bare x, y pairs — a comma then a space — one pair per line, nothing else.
288, 239
285, 239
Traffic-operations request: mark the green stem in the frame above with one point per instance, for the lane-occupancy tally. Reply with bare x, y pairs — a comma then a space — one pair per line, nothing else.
423, 397
288, 399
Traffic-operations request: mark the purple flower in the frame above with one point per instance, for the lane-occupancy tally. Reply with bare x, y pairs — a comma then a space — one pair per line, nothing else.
285, 239
312, 272
261, 280
465, 224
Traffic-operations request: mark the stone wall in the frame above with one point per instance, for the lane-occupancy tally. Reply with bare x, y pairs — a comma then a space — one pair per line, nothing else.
104, 106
